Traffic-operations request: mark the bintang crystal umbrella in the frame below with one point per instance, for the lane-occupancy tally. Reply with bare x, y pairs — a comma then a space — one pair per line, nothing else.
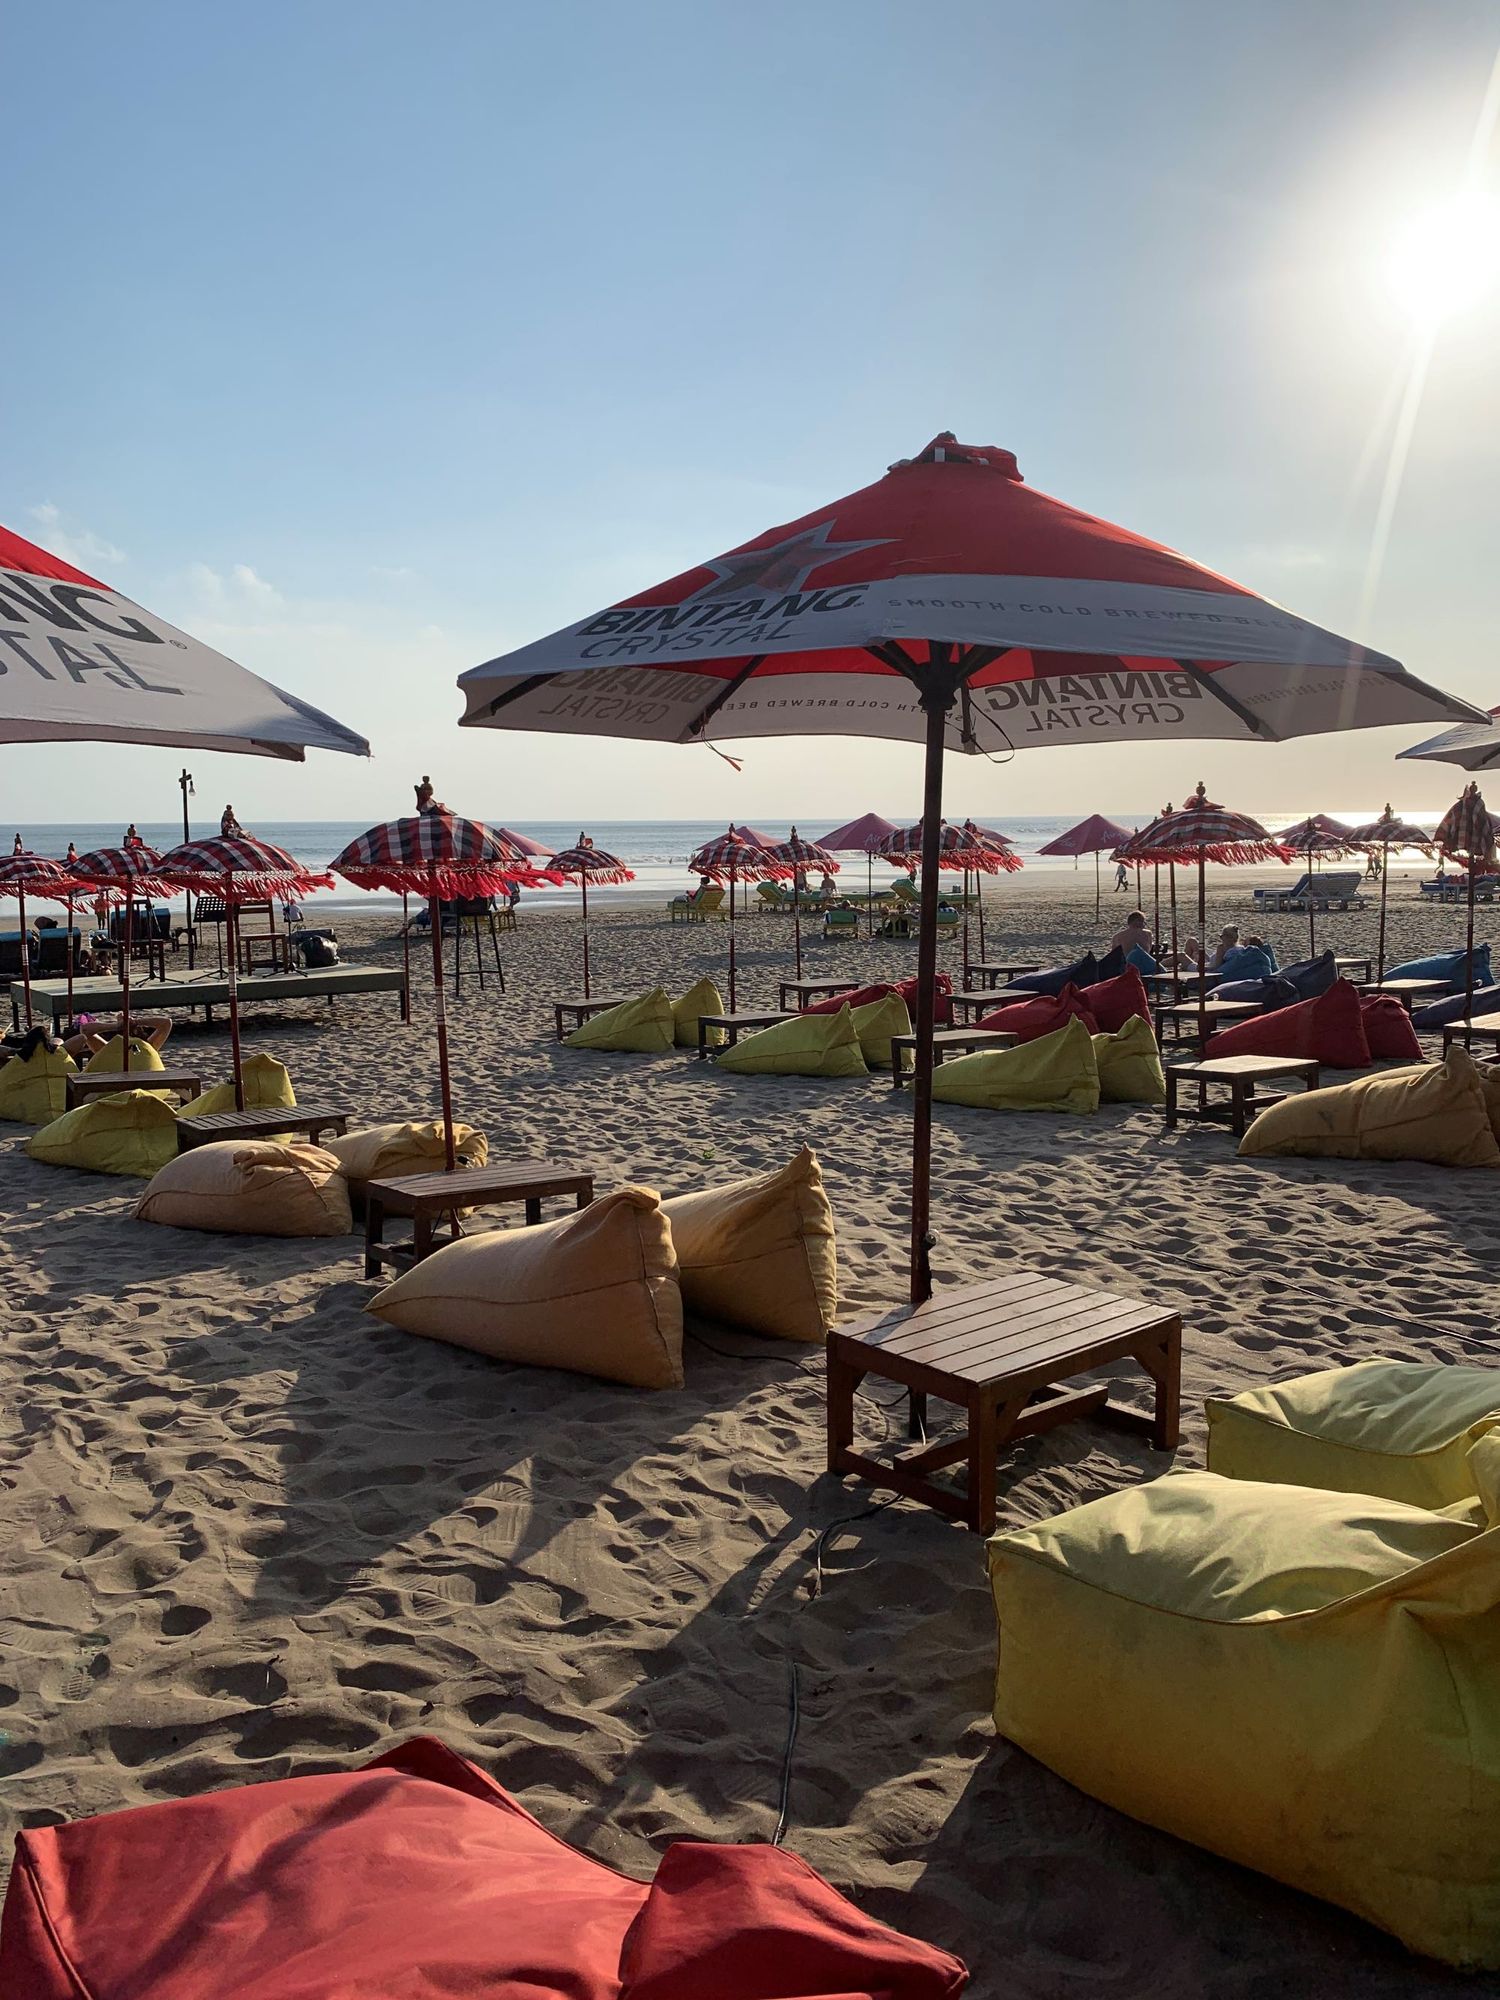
1385, 833
1472, 746
237, 868
951, 605
798, 855
437, 855
862, 836
587, 863
1315, 836
731, 858
24, 874
1095, 835
128, 871
1467, 832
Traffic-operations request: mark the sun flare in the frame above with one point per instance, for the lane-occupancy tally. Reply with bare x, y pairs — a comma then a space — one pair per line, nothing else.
1447, 258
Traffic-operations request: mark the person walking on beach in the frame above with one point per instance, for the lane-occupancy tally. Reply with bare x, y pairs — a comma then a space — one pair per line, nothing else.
1122, 877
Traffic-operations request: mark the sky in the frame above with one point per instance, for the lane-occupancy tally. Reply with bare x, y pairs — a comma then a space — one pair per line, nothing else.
367, 341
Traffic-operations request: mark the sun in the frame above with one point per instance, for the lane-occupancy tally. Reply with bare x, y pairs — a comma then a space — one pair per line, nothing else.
1447, 258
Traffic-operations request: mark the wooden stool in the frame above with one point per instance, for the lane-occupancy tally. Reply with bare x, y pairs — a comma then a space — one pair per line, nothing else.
1241, 1074
997, 1350
427, 1198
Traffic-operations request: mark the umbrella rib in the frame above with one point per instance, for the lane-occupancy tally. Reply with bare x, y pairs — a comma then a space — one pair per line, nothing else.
1207, 682
528, 686
699, 725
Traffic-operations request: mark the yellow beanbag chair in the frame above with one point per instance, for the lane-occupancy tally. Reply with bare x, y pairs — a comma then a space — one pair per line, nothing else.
382, 1152
1401, 1429
1302, 1682
876, 1022
35, 1091
806, 1045
1056, 1072
1438, 1112
595, 1293
760, 1253
143, 1057
1129, 1062
132, 1132
703, 998
639, 1027
250, 1187
267, 1088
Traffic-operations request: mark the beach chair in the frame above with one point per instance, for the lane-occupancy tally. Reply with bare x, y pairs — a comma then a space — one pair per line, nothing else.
52, 952
948, 920
1283, 899
772, 896
698, 905
841, 918
10, 954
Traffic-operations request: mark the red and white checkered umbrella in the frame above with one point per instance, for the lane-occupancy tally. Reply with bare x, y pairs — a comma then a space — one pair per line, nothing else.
798, 855
974, 849
587, 863
24, 874
1468, 832
128, 871
732, 858
1385, 833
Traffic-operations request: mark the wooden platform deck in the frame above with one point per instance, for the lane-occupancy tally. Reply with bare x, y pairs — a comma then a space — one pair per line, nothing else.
209, 990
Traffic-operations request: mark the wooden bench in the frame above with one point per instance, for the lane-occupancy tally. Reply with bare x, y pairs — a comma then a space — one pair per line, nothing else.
183, 1084
974, 1004
735, 1025
1239, 1075
946, 1042
427, 1198
1485, 1030
213, 1126
1408, 991
579, 1011
807, 990
1216, 1014
998, 1350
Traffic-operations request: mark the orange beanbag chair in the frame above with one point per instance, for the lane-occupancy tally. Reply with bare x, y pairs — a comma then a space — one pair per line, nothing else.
1388, 1029
419, 1876
1113, 1002
1330, 1030
1029, 1020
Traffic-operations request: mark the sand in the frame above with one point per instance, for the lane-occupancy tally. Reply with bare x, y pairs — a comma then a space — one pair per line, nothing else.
247, 1531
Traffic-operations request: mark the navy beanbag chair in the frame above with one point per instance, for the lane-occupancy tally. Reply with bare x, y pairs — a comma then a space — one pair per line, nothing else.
1446, 965
1054, 979
1441, 1012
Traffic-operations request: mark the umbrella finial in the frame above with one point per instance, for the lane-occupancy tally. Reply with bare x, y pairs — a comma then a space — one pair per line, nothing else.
18, 848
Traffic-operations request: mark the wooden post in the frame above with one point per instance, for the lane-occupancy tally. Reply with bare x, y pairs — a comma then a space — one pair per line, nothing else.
450, 1159
936, 702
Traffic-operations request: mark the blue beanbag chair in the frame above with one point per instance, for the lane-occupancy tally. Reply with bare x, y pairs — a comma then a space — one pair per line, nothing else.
1247, 961
1441, 1012
1448, 965
1142, 960
1111, 965
1312, 977
1084, 973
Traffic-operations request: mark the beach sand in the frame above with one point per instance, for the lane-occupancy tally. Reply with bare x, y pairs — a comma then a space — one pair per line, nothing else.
248, 1531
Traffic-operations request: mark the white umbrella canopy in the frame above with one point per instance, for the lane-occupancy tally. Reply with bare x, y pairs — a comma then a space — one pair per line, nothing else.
1473, 746
82, 663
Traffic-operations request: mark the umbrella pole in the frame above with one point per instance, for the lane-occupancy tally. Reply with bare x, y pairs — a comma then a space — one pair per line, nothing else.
406, 958
1469, 958
442, 1024
936, 706
1312, 908
869, 893
1202, 966
797, 914
25, 954
70, 965
232, 939
1096, 885
1385, 869
1156, 907
125, 982
583, 883
979, 904
964, 892
1172, 892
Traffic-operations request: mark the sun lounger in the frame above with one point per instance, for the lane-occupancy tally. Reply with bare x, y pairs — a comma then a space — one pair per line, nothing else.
1334, 889
698, 905
772, 896
840, 919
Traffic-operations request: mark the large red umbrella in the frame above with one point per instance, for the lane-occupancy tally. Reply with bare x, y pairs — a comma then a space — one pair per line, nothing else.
237, 868
1385, 833
970, 848
799, 855
437, 855
24, 874
1468, 832
947, 604
587, 863
1316, 836
128, 871
862, 836
731, 858
1095, 835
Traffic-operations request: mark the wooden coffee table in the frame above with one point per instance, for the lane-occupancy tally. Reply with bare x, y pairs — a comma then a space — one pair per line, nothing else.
994, 972
998, 1350
1240, 1075
732, 1026
578, 1011
1486, 1029
1410, 992
183, 1084
212, 1126
427, 1198
806, 990
946, 1042
1216, 1014
978, 1001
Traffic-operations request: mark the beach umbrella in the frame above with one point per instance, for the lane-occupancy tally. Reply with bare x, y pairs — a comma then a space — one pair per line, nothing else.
731, 858
438, 855
764, 841
1203, 832
973, 850
1316, 836
862, 836
1473, 746
951, 605
24, 874
1385, 833
1467, 832
127, 871
800, 855
534, 850
1095, 835
587, 863
237, 868
1132, 853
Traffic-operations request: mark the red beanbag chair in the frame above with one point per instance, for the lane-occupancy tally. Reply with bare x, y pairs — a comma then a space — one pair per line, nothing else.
1388, 1028
419, 1878
1028, 1020
1331, 1029
942, 1014
1113, 1002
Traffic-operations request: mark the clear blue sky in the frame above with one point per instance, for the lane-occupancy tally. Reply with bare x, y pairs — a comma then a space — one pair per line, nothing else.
367, 340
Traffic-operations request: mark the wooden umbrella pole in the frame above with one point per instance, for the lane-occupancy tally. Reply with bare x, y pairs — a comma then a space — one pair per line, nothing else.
1202, 964
232, 939
125, 979
449, 1157
964, 892
797, 912
406, 958
979, 904
1469, 957
869, 893
1385, 869
25, 948
936, 706
583, 883
1172, 892
70, 963
731, 940
1096, 885
1156, 906
1312, 910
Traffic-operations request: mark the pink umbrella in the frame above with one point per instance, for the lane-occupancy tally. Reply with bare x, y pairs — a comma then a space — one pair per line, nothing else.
524, 844
862, 836
128, 871
589, 864
799, 855
24, 874
731, 858
764, 841
1095, 835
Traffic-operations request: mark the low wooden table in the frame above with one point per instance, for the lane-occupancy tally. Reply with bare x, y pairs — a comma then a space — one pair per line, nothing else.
992, 972
998, 1350
946, 1042
1240, 1074
1486, 1029
183, 1084
427, 1198
580, 1011
735, 1025
1345, 968
975, 1003
274, 948
1409, 992
1216, 1014
212, 1126
805, 990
